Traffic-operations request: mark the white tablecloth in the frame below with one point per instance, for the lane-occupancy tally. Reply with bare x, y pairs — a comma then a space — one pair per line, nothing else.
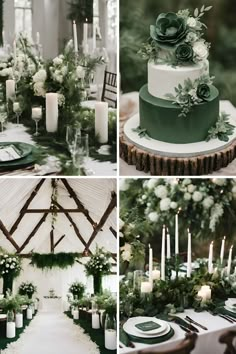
51, 305
207, 342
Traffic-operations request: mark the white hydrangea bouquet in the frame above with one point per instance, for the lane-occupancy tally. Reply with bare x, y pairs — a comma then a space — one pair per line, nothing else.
10, 266
27, 288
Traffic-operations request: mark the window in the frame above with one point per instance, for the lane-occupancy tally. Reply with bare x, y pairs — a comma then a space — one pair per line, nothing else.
23, 16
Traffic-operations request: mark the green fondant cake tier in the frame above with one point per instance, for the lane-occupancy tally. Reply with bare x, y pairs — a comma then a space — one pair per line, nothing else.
160, 118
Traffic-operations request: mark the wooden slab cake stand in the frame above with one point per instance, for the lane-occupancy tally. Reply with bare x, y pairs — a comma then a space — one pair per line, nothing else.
162, 159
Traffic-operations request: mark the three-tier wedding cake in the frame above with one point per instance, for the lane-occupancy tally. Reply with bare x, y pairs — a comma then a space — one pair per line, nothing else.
179, 104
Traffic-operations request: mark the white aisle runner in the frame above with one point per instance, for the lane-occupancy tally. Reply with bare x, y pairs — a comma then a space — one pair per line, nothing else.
52, 333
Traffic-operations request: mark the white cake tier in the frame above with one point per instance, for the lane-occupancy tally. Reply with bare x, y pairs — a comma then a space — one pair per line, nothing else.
163, 78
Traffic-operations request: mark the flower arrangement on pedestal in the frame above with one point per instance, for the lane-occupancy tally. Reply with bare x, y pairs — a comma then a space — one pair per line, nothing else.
98, 266
77, 289
27, 289
10, 267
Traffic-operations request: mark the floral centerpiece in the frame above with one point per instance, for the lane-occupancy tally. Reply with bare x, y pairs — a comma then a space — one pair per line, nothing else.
98, 266
10, 267
27, 289
77, 289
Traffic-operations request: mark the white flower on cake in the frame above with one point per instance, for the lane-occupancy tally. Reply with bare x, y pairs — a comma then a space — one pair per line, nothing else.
161, 191
200, 50
165, 204
80, 72
191, 37
197, 196
191, 22
153, 216
40, 76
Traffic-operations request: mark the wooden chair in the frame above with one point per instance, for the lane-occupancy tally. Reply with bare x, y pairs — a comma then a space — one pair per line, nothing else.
185, 347
228, 338
109, 92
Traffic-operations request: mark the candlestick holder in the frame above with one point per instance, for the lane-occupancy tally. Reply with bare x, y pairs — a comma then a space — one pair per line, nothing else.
169, 268
177, 265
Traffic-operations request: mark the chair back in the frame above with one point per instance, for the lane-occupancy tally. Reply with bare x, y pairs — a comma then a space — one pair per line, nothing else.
109, 92
185, 347
228, 339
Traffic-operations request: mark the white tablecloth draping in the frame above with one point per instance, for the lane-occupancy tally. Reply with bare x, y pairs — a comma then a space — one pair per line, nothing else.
207, 342
51, 305
52, 333
129, 106
51, 166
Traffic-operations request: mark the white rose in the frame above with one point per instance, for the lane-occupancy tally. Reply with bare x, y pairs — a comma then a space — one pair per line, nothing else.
161, 191
219, 181
80, 72
57, 61
191, 37
173, 205
208, 202
153, 216
191, 188
165, 204
121, 224
191, 22
200, 50
40, 76
197, 196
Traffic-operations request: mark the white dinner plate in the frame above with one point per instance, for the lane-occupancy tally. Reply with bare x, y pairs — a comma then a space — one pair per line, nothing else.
129, 327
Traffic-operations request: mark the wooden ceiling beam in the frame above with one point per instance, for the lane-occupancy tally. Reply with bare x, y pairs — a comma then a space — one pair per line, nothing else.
113, 231
78, 202
8, 236
26, 205
52, 241
31, 235
59, 240
51, 211
103, 220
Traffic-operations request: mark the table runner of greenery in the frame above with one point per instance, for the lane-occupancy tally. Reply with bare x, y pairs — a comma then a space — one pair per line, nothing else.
96, 335
5, 341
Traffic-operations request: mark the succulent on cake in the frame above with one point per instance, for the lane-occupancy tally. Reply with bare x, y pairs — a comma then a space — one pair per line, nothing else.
177, 38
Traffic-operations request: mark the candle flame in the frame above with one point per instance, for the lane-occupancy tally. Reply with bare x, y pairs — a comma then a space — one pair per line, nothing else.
232, 246
86, 20
224, 237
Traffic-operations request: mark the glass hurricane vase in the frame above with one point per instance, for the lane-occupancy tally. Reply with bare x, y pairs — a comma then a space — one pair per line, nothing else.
97, 284
110, 332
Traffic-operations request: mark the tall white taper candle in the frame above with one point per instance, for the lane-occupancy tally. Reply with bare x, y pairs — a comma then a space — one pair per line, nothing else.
168, 253
229, 260
150, 265
101, 121
176, 234
51, 112
210, 259
75, 37
163, 254
222, 250
189, 259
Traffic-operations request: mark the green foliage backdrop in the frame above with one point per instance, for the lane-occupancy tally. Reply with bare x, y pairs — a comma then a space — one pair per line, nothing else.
135, 20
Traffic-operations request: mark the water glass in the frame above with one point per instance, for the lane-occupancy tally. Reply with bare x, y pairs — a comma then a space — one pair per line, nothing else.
81, 151
3, 117
37, 114
71, 135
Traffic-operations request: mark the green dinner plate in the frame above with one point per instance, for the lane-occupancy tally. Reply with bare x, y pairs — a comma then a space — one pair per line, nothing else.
23, 148
28, 159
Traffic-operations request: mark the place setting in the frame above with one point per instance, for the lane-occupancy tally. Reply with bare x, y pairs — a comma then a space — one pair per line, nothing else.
44, 91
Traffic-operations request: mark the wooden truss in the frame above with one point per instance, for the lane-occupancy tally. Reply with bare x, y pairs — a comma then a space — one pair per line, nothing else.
56, 208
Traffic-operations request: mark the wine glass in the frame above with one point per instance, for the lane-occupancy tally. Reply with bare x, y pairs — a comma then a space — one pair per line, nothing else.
81, 150
17, 110
3, 117
71, 135
37, 114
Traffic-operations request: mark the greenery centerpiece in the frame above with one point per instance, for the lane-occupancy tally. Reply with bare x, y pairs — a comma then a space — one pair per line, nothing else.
98, 266
28, 289
10, 267
77, 289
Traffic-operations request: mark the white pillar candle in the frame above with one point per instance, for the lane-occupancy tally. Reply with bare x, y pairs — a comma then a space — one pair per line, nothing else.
229, 260
110, 339
101, 121
146, 287
163, 254
37, 112
176, 234
10, 89
29, 314
19, 320
168, 253
75, 37
76, 314
189, 256
222, 250
95, 321
11, 329
156, 274
150, 264
51, 112
210, 259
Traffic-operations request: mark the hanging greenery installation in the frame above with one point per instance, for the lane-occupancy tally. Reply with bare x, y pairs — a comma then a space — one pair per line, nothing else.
60, 260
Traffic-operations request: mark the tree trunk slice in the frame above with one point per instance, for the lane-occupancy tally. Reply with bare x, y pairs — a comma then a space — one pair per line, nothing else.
175, 166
